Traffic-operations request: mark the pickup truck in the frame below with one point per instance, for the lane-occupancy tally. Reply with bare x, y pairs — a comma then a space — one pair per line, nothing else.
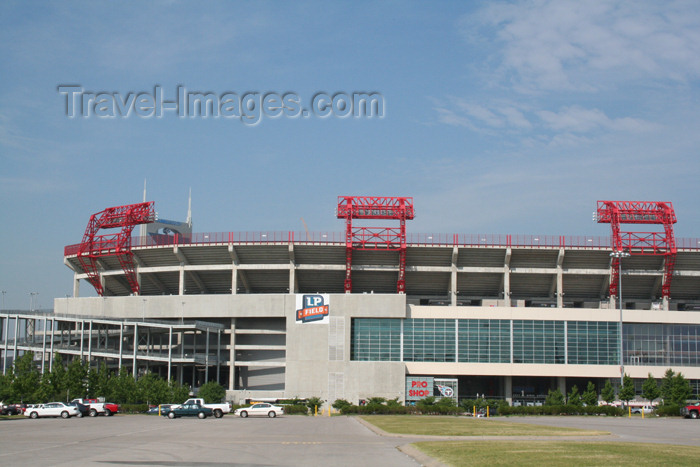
691, 410
99, 408
218, 409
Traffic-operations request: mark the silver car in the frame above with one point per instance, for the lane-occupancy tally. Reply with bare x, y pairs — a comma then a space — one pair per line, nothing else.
52, 409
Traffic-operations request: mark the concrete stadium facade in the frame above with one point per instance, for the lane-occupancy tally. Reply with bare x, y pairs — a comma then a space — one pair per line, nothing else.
502, 316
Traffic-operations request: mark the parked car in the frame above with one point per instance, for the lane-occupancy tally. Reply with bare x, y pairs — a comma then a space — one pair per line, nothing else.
99, 408
188, 410
13, 409
52, 409
219, 409
261, 409
162, 408
84, 410
692, 410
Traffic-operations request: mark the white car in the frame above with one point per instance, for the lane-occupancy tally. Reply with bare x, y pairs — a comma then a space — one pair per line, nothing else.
52, 409
261, 409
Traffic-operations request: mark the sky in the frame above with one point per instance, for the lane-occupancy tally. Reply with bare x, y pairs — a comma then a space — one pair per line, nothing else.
508, 117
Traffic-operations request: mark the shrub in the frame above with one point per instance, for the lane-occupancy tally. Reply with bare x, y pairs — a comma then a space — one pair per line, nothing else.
133, 408
296, 409
668, 410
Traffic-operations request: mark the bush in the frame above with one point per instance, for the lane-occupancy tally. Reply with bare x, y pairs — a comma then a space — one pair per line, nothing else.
668, 410
212, 392
562, 410
133, 408
296, 409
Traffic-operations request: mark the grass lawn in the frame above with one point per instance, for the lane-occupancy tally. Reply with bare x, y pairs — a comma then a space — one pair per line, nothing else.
559, 453
463, 426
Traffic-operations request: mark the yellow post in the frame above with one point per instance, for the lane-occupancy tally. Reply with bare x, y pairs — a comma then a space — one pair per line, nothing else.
487, 411
159, 410
315, 410
474, 411
329, 410
629, 410
642, 413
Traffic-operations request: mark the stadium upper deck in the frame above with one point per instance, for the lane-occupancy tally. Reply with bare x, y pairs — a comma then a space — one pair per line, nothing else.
527, 270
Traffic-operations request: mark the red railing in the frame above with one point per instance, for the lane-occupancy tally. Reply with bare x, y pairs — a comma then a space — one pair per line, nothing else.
415, 239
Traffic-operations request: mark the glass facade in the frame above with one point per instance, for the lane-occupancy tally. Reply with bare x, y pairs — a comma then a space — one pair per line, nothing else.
538, 341
593, 343
429, 340
484, 340
376, 340
523, 341
662, 344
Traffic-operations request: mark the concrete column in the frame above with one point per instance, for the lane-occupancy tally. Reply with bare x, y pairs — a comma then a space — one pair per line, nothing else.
508, 389
561, 384
181, 285
293, 287
560, 279
170, 352
76, 285
232, 356
453, 277
506, 277
234, 279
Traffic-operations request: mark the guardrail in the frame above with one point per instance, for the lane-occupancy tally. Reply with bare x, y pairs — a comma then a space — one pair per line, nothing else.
412, 239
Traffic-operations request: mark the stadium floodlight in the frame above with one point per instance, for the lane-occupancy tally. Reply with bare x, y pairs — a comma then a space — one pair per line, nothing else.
619, 254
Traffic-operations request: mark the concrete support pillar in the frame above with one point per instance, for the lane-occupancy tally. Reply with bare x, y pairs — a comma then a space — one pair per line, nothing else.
234, 279
664, 304
232, 356
293, 287
508, 389
181, 282
453, 277
76, 285
560, 279
506, 277
561, 384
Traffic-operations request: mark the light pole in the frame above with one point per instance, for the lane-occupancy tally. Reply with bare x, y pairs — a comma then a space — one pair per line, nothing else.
31, 300
619, 254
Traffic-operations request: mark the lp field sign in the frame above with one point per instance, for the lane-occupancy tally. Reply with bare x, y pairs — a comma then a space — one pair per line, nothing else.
312, 308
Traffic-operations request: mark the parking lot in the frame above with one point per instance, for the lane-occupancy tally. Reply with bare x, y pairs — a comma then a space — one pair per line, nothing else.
152, 440
290, 440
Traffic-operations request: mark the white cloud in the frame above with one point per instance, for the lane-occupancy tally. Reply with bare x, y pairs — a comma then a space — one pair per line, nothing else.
580, 120
574, 45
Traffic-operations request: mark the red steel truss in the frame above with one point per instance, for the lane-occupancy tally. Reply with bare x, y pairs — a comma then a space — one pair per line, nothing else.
116, 244
641, 243
375, 238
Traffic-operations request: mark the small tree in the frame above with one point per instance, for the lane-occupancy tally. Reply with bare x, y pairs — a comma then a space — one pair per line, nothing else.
608, 392
667, 386
177, 392
627, 392
341, 404
554, 397
212, 392
76, 379
590, 396
574, 398
315, 403
26, 379
681, 391
650, 389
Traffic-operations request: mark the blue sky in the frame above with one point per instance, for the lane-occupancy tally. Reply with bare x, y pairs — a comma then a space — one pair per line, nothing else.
499, 117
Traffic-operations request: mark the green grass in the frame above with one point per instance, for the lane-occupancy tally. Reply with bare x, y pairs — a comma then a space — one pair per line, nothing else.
559, 453
463, 426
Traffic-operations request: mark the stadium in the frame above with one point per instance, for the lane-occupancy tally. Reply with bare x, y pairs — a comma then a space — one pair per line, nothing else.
377, 311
